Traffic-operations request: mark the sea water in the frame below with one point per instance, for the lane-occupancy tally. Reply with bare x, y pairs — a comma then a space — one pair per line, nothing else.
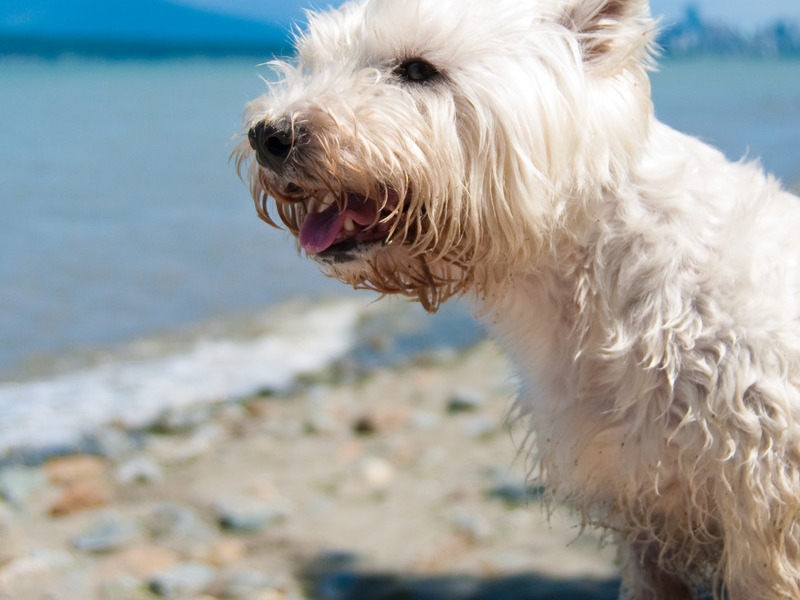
135, 275
121, 214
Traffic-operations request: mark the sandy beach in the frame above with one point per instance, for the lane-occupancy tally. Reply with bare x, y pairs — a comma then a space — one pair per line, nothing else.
355, 484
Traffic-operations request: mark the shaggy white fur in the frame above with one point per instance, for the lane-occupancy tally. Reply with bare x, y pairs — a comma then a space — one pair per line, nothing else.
647, 289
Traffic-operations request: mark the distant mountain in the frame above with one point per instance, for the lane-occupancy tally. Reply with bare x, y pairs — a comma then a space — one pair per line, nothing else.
693, 35
131, 27
156, 27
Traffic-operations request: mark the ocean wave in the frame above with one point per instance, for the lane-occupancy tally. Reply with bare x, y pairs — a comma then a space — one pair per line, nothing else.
61, 410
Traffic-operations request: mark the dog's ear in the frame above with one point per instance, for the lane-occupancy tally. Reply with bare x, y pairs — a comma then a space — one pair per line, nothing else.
610, 31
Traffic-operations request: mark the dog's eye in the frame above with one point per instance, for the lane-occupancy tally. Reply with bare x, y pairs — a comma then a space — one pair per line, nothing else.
416, 70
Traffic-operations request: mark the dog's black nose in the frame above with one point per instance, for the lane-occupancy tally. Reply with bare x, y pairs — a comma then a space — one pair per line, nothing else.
272, 143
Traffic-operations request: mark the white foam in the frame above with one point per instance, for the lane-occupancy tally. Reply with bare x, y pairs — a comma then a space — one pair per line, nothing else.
61, 410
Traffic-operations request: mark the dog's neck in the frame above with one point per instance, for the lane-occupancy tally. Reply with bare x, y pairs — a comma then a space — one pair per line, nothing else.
559, 318
534, 320
539, 315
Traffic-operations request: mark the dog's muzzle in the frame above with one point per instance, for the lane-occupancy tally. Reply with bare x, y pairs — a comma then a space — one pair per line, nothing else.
332, 225
273, 143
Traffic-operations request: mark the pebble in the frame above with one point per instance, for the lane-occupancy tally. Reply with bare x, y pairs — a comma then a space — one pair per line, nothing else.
365, 425
140, 562
14, 541
247, 514
515, 493
320, 421
123, 587
476, 528
376, 473
480, 426
243, 585
139, 470
382, 419
81, 496
31, 565
110, 532
349, 452
182, 449
7, 520
511, 562
185, 579
19, 484
68, 470
465, 401
424, 420
320, 505
232, 416
226, 551
432, 458
183, 419
273, 595
20, 579
115, 444
179, 527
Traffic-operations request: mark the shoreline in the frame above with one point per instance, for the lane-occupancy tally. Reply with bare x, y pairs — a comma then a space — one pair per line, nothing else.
147, 380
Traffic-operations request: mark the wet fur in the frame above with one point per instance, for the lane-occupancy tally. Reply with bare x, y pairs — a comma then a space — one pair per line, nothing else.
647, 289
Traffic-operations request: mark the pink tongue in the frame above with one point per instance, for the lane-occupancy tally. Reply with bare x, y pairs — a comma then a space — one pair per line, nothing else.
320, 230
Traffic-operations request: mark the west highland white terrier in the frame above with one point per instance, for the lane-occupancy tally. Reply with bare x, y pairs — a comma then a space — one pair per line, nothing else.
647, 289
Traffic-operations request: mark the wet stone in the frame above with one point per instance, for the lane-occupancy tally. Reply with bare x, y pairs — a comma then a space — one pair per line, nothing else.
247, 515
115, 444
185, 579
81, 496
19, 484
320, 422
139, 470
68, 470
365, 425
186, 448
226, 551
480, 426
474, 527
111, 532
382, 419
7, 519
22, 577
425, 421
182, 419
244, 585
179, 526
140, 562
376, 473
123, 587
465, 401
515, 493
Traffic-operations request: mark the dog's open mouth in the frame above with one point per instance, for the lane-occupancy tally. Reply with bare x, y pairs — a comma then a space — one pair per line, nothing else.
340, 227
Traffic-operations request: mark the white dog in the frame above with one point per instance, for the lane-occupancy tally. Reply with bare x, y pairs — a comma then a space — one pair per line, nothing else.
647, 290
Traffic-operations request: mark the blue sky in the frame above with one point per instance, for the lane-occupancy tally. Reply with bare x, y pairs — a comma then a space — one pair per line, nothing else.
741, 12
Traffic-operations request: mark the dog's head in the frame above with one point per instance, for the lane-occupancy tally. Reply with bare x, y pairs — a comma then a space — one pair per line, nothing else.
426, 147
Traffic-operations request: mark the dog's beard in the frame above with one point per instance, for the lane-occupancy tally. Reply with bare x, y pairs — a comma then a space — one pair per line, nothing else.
367, 232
